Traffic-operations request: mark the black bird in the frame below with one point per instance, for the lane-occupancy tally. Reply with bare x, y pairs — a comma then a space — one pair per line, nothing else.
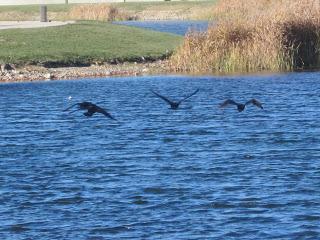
91, 109
241, 106
174, 105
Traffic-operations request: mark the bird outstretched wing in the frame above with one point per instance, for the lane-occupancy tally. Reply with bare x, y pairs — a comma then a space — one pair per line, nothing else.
70, 107
227, 102
162, 97
254, 102
104, 112
189, 95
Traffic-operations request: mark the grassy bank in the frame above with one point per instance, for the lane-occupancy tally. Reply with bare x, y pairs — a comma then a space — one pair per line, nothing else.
136, 10
31, 12
251, 36
83, 43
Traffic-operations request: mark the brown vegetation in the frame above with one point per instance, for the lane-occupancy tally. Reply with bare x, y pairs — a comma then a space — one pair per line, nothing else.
250, 36
98, 12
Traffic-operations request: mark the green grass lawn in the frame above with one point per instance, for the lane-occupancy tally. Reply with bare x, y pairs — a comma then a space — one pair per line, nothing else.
83, 42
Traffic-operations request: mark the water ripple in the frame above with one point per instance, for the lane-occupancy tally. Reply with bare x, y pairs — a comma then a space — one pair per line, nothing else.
196, 173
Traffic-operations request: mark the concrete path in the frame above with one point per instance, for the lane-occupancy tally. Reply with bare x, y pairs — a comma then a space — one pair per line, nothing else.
30, 24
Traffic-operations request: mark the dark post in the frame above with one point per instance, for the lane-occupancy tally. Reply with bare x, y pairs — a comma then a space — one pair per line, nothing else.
43, 13
66, 2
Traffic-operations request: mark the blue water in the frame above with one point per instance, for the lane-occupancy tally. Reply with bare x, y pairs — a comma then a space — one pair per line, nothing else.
195, 173
170, 26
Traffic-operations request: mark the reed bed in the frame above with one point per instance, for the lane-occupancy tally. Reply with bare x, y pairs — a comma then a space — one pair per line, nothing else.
98, 12
251, 36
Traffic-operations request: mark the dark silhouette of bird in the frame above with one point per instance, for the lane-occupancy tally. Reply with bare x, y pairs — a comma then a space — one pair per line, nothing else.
241, 106
91, 109
174, 105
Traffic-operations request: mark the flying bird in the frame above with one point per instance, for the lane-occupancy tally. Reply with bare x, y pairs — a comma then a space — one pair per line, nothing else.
241, 106
91, 109
174, 105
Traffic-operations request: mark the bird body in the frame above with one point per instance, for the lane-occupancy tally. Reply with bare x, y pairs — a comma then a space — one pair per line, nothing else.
174, 105
241, 106
91, 109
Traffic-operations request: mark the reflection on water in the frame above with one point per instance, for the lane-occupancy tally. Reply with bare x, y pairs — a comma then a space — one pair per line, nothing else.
194, 173
170, 26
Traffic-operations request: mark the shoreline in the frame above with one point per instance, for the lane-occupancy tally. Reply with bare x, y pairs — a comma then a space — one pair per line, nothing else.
34, 73
30, 73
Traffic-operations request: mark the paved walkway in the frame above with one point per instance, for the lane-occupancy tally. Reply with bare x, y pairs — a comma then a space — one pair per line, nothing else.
30, 24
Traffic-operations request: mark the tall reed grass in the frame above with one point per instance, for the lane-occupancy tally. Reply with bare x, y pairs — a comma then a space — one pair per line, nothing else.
98, 12
254, 35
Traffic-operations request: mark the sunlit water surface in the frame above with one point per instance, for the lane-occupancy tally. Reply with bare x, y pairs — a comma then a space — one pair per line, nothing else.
196, 173
170, 26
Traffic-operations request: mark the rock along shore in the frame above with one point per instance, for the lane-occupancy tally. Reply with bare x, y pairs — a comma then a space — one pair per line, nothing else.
10, 73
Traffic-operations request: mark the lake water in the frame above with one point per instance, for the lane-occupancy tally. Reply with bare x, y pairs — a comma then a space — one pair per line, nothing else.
196, 173
170, 26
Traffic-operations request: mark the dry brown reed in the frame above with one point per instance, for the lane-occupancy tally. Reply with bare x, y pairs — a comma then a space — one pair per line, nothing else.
251, 35
98, 12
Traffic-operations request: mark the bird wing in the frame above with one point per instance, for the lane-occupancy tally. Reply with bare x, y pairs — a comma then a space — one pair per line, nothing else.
189, 95
70, 107
104, 112
254, 102
162, 97
227, 102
